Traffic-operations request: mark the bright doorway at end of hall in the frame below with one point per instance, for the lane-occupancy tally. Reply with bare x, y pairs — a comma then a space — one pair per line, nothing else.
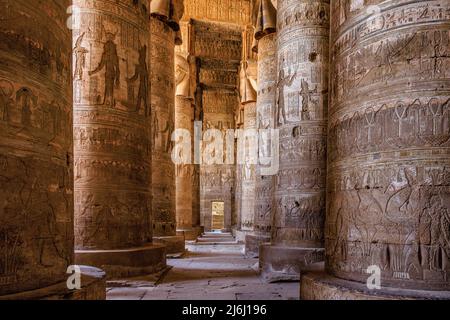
218, 216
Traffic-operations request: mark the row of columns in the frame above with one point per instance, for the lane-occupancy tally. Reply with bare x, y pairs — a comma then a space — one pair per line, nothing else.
387, 124
77, 186
301, 102
388, 198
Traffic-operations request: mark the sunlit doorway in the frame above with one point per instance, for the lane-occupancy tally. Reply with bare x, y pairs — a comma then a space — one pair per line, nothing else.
218, 216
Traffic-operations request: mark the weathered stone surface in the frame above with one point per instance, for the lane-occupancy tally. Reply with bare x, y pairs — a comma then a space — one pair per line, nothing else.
322, 286
93, 287
388, 181
301, 117
112, 136
36, 168
218, 274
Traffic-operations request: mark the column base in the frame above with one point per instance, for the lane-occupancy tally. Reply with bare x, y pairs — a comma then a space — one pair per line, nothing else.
282, 263
127, 262
240, 235
190, 234
93, 287
252, 244
175, 245
322, 286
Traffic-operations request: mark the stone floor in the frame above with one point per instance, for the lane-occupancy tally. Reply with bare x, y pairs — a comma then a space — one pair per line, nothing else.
206, 272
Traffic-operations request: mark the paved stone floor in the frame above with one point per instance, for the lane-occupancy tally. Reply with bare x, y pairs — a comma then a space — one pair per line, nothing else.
216, 272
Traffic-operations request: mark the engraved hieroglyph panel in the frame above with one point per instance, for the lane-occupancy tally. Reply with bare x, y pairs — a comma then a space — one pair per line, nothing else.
36, 168
248, 169
111, 57
231, 11
388, 181
217, 41
301, 117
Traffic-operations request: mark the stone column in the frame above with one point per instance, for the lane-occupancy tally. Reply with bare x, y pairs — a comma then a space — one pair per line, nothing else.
164, 28
249, 143
184, 119
113, 221
247, 139
301, 118
36, 153
388, 183
265, 46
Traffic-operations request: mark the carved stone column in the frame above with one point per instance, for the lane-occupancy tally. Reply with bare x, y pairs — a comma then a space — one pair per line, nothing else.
389, 182
184, 119
163, 29
301, 117
247, 140
265, 109
113, 221
36, 153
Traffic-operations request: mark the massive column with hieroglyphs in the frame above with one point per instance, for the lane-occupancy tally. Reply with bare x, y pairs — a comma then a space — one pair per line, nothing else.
247, 139
301, 119
36, 169
265, 45
113, 214
388, 181
36, 154
165, 33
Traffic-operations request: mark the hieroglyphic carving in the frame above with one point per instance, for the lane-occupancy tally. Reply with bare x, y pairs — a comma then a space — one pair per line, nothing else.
36, 169
247, 168
217, 41
301, 102
388, 177
267, 77
163, 118
218, 48
112, 117
231, 11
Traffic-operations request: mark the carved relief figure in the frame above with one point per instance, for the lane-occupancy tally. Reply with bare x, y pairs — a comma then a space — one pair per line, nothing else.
141, 73
26, 98
80, 58
305, 93
109, 62
434, 235
6, 101
283, 82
